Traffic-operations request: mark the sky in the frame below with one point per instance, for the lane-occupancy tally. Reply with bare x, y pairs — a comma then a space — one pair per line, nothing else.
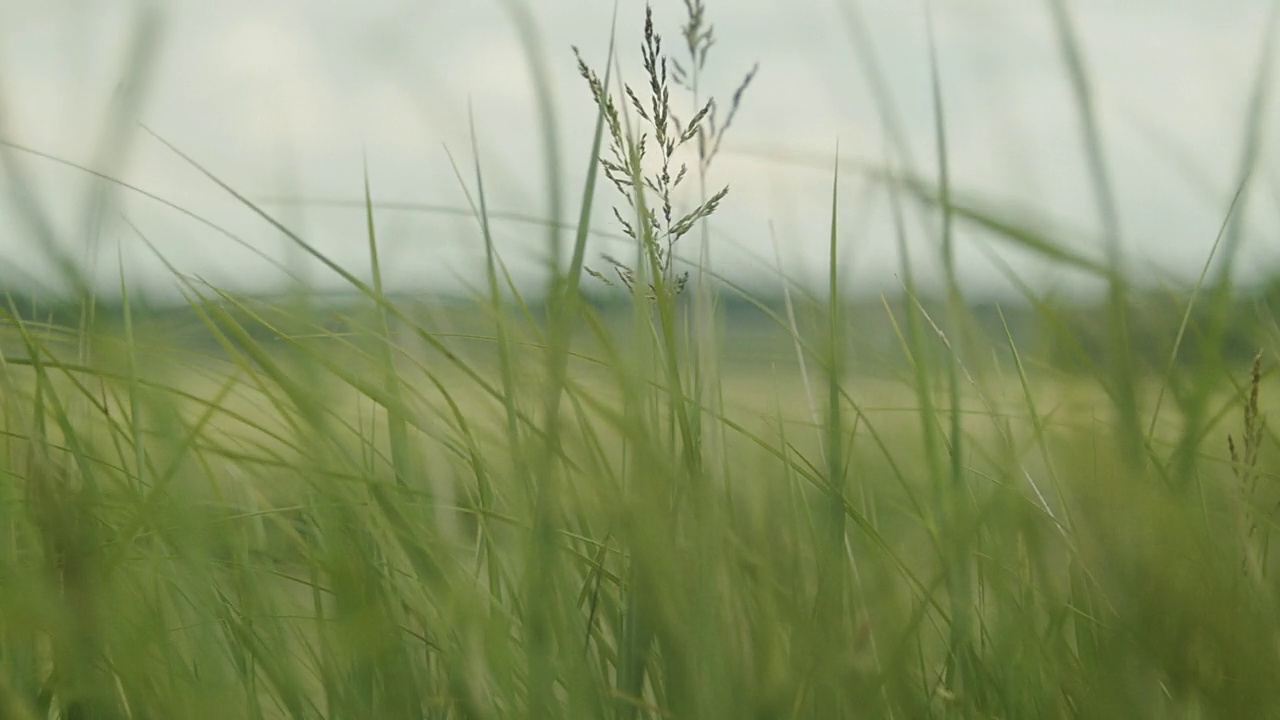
292, 102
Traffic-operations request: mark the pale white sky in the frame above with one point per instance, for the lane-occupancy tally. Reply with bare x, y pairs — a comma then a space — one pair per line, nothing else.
287, 97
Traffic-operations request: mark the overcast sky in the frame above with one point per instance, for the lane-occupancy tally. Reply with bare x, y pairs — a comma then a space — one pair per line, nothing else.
288, 98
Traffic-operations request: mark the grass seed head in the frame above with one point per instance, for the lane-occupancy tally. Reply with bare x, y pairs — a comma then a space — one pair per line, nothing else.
656, 225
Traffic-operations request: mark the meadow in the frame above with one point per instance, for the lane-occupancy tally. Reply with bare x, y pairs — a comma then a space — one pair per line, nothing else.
644, 507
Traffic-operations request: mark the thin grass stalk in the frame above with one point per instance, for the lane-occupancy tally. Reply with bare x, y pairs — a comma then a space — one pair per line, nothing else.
135, 411
1123, 379
957, 675
959, 562
497, 305
830, 620
401, 455
549, 127
564, 305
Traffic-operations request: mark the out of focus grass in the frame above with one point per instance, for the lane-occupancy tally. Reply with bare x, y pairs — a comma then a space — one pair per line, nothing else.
383, 509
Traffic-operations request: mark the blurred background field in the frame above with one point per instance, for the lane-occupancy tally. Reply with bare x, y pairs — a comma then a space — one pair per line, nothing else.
953, 403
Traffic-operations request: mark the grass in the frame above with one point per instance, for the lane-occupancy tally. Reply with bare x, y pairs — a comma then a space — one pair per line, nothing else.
362, 510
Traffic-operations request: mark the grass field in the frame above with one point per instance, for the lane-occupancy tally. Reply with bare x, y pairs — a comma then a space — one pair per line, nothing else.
532, 508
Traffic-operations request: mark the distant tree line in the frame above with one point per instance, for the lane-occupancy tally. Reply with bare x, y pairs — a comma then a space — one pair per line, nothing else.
1069, 336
